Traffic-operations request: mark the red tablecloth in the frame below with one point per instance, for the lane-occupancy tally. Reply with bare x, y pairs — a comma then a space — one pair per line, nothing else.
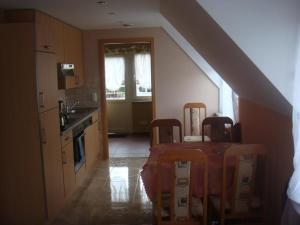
214, 152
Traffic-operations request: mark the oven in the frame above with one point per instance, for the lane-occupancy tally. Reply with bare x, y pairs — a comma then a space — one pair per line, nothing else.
79, 145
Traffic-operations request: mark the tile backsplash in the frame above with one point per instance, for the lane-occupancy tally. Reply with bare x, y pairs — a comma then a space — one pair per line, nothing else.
87, 96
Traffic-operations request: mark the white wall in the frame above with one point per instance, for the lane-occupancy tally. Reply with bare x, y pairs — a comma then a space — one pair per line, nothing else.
177, 79
223, 54
266, 31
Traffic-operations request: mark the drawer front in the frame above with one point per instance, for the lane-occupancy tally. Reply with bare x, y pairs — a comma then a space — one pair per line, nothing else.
66, 138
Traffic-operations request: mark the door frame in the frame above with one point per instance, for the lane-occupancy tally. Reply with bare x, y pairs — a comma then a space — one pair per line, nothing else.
103, 102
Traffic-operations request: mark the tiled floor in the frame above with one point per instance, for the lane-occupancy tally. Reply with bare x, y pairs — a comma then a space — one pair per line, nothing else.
129, 146
112, 193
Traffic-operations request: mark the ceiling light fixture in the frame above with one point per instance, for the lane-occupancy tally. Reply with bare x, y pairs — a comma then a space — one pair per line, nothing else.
127, 24
101, 2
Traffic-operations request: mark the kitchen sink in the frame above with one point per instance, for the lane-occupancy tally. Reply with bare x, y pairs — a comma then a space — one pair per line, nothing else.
77, 116
72, 120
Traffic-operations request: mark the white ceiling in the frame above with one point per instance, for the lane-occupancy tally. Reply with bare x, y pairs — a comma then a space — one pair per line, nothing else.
88, 14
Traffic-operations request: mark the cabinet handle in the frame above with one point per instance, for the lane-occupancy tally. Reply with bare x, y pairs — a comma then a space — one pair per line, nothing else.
47, 46
67, 138
64, 158
42, 99
44, 136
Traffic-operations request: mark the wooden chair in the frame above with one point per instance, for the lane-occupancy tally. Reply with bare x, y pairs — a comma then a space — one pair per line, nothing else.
192, 122
180, 201
242, 198
237, 133
165, 130
220, 129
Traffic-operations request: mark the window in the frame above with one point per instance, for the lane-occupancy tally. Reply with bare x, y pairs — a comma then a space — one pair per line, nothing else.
115, 78
142, 68
294, 183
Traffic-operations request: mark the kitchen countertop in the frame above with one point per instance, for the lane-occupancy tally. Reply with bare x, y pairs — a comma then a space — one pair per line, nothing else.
77, 117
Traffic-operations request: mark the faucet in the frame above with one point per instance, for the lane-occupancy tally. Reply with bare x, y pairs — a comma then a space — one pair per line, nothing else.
71, 106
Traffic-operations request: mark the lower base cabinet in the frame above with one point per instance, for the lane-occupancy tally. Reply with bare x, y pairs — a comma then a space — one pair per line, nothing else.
91, 144
72, 179
79, 176
68, 168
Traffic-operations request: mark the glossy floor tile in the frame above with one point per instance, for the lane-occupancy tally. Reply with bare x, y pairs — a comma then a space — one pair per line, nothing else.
129, 146
112, 193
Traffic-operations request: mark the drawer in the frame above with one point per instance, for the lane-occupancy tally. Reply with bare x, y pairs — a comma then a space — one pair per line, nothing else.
66, 138
95, 116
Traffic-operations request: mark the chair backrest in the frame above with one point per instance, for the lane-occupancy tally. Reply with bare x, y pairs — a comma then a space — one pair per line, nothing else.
180, 202
237, 133
246, 190
194, 123
219, 132
165, 130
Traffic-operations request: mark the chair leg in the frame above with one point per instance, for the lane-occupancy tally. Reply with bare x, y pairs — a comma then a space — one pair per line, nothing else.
222, 219
154, 218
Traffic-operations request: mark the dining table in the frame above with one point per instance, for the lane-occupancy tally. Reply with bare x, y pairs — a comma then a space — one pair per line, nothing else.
215, 155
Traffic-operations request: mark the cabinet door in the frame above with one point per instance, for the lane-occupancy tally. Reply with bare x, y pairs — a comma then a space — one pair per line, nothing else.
78, 59
68, 168
47, 80
59, 40
44, 32
91, 144
52, 159
73, 54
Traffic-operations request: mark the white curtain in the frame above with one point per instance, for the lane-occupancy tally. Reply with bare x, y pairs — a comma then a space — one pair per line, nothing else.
294, 185
114, 72
142, 67
229, 102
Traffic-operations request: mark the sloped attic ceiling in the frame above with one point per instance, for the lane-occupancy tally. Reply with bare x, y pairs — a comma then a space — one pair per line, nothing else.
220, 51
267, 31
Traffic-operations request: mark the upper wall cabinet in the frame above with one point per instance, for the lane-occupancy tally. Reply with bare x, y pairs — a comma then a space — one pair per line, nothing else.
54, 36
59, 40
44, 26
44, 32
73, 54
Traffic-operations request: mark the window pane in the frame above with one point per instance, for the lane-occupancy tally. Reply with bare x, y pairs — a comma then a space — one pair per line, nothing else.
115, 78
142, 66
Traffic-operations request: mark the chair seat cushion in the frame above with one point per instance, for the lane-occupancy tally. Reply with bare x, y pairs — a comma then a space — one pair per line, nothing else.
197, 207
195, 138
196, 210
255, 203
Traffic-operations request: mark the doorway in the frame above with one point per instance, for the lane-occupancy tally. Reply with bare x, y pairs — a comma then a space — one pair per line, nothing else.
127, 96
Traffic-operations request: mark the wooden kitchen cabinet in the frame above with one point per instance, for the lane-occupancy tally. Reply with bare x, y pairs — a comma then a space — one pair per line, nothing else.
47, 81
44, 27
33, 185
68, 168
52, 159
44, 32
73, 54
22, 180
59, 40
91, 144
56, 37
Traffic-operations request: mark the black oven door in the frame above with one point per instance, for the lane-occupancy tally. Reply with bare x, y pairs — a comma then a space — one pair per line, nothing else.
79, 154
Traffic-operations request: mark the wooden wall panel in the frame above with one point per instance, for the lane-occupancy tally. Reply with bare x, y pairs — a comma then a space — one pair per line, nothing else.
262, 125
